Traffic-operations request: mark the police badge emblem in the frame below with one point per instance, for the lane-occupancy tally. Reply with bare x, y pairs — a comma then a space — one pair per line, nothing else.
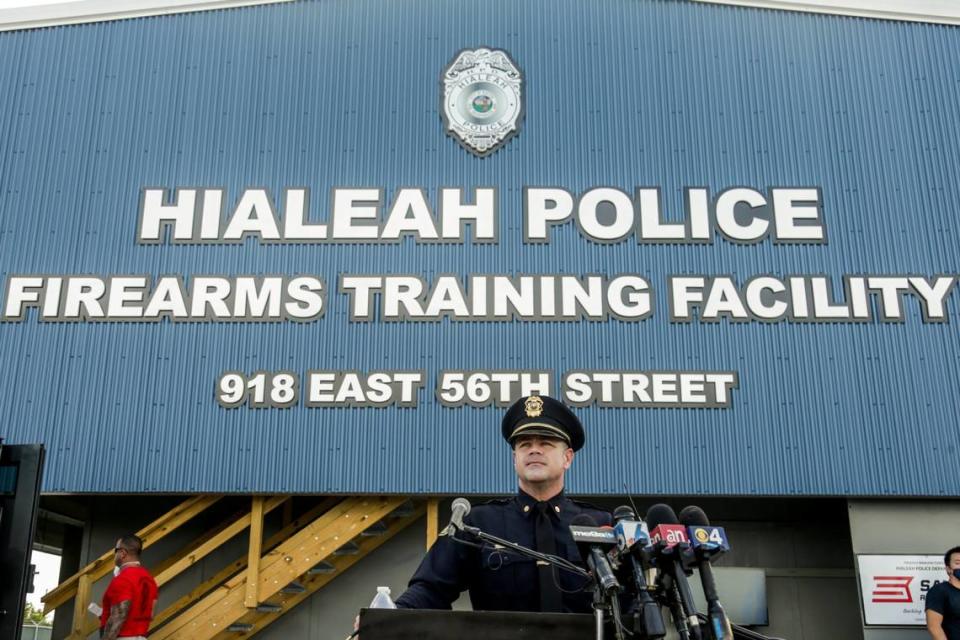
533, 406
482, 99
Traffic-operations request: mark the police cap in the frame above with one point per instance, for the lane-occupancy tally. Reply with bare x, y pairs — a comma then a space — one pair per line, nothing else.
542, 416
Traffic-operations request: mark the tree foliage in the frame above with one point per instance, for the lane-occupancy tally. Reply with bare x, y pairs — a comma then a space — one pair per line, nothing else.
33, 615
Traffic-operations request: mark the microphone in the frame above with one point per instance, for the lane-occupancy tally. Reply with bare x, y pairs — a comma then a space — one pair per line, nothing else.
671, 549
707, 543
630, 531
633, 542
459, 509
589, 538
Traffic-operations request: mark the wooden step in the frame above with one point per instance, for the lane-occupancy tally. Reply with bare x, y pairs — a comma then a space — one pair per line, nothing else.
321, 568
293, 587
349, 549
377, 529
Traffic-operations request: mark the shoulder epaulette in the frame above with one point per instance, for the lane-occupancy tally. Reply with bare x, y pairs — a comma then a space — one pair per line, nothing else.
496, 501
587, 505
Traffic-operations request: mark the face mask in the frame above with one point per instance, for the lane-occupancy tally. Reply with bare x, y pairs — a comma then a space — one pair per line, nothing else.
956, 574
116, 571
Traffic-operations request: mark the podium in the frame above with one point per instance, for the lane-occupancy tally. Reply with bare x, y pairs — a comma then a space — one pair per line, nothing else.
423, 624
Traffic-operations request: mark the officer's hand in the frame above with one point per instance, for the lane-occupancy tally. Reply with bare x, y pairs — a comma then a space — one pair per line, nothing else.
356, 629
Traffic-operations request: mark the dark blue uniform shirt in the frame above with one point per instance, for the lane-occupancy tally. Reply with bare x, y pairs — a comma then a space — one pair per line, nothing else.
500, 579
944, 598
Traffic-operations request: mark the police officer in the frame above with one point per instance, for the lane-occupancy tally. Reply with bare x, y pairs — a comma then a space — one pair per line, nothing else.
544, 435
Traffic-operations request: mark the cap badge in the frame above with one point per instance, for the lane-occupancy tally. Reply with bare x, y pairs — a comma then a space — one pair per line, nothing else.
533, 406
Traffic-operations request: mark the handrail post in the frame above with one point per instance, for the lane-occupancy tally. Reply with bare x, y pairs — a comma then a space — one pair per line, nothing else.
80, 604
433, 517
251, 600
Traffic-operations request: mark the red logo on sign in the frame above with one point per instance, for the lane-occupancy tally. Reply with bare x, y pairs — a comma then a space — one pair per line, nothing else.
671, 534
892, 589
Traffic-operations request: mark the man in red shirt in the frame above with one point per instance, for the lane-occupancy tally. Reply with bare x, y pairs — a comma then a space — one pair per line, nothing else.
130, 596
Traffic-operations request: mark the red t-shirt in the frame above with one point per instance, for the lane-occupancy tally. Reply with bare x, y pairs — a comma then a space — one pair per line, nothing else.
136, 585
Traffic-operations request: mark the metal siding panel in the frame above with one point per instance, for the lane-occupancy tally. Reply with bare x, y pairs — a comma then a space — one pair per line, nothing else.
622, 93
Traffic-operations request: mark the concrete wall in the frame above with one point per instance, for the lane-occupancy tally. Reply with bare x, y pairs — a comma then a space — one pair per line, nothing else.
811, 590
907, 527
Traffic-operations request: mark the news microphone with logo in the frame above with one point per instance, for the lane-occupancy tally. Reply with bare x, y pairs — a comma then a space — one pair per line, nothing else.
672, 552
459, 509
633, 546
591, 540
708, 542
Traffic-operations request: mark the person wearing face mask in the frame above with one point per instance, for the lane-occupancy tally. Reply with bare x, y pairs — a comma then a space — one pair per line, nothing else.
130, 597
544, 436
943, 601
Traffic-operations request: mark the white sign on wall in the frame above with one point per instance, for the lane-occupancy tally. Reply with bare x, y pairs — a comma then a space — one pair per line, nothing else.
893, 589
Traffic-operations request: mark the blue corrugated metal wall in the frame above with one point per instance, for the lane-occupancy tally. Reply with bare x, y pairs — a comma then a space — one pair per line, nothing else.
619, 93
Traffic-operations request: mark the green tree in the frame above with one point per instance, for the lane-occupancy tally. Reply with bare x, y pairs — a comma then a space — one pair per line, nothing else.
33, 615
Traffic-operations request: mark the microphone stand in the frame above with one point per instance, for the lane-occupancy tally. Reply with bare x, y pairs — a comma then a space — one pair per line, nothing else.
599, 598
647, 617
599, 605
530, 553
672, 595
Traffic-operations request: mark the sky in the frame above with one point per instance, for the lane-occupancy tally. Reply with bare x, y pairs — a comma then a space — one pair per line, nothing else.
48, 574
16, 4
918, 6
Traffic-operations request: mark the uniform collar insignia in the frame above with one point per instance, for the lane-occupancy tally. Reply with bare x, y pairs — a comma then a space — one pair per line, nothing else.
560, 501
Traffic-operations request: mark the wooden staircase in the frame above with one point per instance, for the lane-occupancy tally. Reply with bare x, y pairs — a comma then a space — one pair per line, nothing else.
277, 574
